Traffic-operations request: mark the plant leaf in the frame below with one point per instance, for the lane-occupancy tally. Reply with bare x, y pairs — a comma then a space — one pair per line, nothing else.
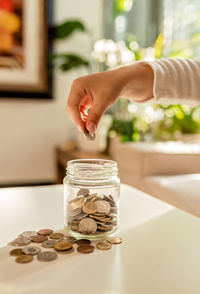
66, 28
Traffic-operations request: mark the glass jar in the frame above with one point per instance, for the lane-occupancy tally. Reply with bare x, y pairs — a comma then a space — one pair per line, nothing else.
91, 198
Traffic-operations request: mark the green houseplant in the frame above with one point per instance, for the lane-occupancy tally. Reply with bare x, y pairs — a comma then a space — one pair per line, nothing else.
66, 61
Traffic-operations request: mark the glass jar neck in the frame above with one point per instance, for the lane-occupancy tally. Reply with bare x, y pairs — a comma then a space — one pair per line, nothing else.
91, 169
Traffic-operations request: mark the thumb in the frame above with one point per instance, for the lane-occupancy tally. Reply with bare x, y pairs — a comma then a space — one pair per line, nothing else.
94, 116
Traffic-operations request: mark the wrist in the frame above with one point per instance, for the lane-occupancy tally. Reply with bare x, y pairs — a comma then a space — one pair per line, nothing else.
136, 81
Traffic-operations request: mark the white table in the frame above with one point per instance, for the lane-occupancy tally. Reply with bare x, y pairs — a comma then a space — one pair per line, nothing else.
160, 253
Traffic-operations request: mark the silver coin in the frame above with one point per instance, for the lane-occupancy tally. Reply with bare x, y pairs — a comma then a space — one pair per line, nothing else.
87, 226
21, 241
89, 135
49, 243
68, 239
47, 256
103, 206
33, 250
28, 234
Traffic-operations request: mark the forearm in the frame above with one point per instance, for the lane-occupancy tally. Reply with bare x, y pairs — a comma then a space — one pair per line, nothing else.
136, 82
176, 81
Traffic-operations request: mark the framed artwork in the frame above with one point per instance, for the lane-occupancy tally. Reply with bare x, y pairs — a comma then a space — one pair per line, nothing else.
25, 48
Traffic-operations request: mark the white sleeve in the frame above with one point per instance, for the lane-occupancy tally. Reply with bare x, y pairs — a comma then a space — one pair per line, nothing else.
176, 81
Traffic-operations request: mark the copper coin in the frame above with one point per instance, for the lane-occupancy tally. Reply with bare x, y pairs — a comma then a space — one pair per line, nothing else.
105, 245
115, 240
16, 252
45, 232
83, 192
63, 245
66, 251
56, 236
85, 248
83, 242
90, 207
39, 238
24, 258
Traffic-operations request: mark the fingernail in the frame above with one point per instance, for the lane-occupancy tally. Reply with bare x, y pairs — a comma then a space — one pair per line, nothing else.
91, 127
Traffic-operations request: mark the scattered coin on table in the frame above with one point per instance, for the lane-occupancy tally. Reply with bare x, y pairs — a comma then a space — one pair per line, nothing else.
85, 248
68, 239
115, 240
39, 238
83, 242
21, 241
28, 234
45, 232
47, 256
33, 250
104, 245
59, 243
56, 236
24, 258
63, 245
66, 251
16, 252
49, 243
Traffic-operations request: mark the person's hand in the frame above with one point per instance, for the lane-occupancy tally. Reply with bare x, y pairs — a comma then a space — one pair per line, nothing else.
99, 91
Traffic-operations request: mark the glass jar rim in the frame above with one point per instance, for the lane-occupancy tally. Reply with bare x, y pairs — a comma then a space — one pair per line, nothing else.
91, 169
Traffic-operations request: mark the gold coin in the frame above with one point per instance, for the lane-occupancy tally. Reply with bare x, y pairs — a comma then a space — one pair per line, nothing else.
16, 252
24, 258
63, 245
115, 240
66, 251
105, 245
90, 207
85, 248
56, 236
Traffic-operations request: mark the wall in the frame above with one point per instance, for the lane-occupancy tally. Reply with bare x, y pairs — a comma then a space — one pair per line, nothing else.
30, 130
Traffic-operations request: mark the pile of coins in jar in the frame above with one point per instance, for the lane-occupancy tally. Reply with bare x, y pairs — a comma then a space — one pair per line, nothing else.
92, 214
51, 244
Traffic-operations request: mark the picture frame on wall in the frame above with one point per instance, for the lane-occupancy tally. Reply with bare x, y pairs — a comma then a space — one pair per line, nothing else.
25, 48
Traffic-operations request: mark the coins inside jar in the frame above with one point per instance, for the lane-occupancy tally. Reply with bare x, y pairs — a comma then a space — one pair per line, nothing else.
92, 214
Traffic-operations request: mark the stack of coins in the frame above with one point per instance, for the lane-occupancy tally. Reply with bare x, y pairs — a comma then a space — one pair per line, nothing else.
92, 214
56, 245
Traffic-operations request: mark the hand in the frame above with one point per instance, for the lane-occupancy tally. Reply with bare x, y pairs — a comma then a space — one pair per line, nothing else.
98, 92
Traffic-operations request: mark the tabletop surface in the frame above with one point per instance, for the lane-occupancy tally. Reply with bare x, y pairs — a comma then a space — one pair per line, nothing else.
160, 253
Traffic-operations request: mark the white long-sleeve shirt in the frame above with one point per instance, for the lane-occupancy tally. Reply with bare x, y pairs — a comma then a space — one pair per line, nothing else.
176, 81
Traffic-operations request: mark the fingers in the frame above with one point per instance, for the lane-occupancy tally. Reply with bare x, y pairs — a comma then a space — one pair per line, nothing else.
94, 116
73, 107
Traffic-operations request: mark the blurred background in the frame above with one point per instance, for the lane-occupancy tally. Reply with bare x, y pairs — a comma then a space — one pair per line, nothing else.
44, 45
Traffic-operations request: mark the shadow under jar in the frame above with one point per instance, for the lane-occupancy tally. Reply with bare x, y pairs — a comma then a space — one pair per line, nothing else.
91, 198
